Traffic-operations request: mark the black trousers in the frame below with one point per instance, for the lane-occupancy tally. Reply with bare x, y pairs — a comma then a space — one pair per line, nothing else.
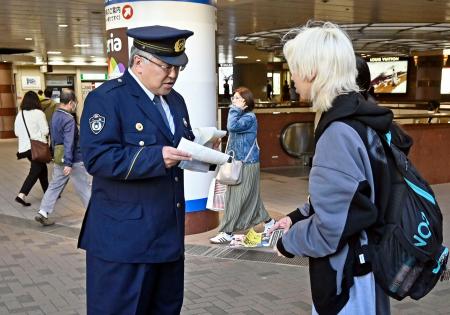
38, 170
114, 288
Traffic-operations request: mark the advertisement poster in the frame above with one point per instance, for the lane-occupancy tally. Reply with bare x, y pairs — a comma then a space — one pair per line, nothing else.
388, 74
117, 50
31, 82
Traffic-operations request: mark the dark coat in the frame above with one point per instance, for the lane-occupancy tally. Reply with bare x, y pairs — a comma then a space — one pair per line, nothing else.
137, 208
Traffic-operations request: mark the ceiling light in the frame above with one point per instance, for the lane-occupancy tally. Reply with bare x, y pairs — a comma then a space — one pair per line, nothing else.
53, 52
81, 45
28, 38
63, 25
258, 60
241, 57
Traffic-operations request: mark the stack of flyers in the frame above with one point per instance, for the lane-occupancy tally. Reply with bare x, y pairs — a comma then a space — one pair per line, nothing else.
255, 239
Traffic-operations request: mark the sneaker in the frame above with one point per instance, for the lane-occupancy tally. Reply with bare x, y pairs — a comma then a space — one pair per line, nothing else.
268, 226
221, 238
43, 220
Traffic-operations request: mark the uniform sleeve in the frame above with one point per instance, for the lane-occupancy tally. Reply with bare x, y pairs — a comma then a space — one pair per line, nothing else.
340, 196
68, 140
238, 121
104, 153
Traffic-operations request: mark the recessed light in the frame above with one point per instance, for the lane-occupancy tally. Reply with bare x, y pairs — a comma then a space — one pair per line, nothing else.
258, 60
53, 52
81, 45
63, 25
241, 57
28, 38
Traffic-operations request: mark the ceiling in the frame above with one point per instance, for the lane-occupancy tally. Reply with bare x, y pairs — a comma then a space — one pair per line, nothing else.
38, 20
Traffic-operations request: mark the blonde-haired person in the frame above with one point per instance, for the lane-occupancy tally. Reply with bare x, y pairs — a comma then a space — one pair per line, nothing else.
328, 227
244, 207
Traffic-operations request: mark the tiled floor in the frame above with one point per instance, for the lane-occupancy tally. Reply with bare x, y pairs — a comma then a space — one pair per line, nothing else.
42, 272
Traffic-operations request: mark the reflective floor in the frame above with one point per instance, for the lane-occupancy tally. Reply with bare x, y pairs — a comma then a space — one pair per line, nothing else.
42, 272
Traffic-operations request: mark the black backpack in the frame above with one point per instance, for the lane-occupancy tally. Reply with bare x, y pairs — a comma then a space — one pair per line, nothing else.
404, 250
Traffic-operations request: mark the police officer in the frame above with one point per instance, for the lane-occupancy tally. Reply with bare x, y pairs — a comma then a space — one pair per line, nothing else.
133, 231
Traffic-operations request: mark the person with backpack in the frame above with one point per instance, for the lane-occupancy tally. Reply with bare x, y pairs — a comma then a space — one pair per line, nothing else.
332, 224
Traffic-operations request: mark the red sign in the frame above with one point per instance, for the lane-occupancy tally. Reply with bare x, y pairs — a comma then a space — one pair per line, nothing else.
127, 12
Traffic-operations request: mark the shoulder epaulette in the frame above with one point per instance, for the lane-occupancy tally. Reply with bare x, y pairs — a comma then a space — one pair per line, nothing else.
112, 84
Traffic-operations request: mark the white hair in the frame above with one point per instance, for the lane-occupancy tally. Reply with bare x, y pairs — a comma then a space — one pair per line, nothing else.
322, 54
137, 52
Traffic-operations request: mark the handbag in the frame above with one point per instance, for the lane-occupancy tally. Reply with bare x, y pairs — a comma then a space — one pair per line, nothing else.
40, 151
230, 173
216, 196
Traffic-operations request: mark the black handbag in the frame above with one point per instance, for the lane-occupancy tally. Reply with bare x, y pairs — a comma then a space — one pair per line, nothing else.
40, 151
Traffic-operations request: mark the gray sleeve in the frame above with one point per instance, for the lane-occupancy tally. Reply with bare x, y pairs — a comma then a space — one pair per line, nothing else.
336, 179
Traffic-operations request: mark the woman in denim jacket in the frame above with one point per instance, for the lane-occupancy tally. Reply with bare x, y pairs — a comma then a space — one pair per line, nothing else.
243, 205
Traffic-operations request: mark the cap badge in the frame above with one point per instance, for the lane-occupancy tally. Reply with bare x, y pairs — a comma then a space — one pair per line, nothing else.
185, 122
139, 127
97, 122
179, 45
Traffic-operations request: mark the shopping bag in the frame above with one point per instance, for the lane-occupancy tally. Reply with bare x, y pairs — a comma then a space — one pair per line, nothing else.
216, 196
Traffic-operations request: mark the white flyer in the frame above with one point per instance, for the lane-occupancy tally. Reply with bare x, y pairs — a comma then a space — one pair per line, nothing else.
202, 153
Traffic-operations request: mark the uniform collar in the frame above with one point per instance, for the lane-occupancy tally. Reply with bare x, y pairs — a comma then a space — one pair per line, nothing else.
147, 91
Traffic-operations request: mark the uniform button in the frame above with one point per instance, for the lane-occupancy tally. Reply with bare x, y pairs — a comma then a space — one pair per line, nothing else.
178, 205
141, 143
176, 178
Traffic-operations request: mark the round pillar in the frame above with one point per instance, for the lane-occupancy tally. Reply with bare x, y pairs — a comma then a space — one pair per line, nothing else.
197, 83
7, 104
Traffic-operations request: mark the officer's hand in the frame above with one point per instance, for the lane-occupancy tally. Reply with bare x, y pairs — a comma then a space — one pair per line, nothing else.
172, 156
67, 170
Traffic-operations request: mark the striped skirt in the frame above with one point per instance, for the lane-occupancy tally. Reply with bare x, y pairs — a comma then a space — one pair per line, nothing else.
243, 204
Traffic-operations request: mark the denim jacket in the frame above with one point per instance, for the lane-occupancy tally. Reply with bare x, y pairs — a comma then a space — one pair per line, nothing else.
242, 127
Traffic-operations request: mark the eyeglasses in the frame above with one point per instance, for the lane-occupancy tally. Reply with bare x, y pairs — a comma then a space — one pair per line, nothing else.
166, 68
235, 98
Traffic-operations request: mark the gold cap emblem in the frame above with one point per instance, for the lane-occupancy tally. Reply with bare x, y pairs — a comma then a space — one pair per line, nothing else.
139, 127
179, 45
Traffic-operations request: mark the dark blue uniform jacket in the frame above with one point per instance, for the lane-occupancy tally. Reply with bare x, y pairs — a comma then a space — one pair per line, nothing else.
136, 212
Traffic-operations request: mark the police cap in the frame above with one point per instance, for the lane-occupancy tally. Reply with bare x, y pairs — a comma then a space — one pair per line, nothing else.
165, 43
